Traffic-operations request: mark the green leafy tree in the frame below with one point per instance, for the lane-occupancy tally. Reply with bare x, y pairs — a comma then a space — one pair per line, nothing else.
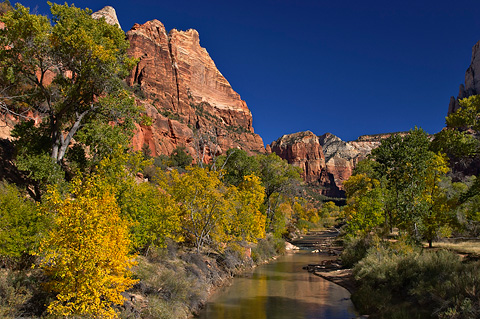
69, 71
180, 158
154, 215
402, 163
364, 211
438, 214
20, 224
237, 164
280, 180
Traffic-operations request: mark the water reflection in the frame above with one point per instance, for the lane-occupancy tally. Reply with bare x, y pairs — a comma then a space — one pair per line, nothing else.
281, 289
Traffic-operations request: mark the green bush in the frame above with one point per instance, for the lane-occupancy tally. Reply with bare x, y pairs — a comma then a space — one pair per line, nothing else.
355, 249
20, 226
267, 248
21, 294
418, 284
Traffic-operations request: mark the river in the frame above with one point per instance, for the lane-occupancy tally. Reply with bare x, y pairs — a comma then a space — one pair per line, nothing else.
281, 289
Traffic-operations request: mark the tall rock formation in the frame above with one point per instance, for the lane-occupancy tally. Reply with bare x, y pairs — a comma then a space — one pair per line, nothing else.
303, 150
342, 157
190, 102
472, 80
326, 160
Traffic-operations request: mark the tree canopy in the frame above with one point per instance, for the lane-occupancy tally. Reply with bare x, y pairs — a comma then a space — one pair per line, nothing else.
65, 74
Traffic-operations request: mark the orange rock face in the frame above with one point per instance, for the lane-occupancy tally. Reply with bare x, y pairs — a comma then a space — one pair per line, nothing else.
189, 100
302, 150
326, 160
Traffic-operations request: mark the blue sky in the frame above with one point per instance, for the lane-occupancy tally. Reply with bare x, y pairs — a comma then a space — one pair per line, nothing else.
345, 67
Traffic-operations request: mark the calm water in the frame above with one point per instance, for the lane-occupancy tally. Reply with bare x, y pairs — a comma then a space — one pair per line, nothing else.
281, 289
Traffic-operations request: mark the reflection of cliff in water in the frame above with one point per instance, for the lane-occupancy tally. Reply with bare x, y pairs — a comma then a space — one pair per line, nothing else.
281, 289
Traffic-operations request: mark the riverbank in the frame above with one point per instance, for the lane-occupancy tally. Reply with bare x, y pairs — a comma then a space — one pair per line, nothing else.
325, 242
175, 282
281, 289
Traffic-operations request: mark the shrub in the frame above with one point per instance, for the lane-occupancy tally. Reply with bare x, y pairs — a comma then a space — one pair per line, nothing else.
417, 284
355, 249
267, 248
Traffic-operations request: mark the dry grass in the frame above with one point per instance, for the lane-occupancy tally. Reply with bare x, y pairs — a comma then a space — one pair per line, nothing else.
460, 246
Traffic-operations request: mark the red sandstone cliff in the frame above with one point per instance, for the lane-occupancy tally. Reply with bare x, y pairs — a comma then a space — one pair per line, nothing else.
326, 160
302, 150
186, 96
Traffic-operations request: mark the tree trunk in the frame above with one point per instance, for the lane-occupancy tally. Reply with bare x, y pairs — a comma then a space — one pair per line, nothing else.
61, 144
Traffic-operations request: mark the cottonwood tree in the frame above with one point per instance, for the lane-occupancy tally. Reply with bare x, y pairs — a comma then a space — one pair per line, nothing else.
68, 70
438, 213
246, 221
203, 202
280, 180
86, 253
364, 211
401, 162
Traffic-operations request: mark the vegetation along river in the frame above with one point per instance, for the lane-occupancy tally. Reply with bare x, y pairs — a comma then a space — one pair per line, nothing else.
281, 289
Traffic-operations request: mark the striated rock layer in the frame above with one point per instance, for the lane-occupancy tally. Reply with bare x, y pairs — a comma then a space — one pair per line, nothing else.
326, 160
472, 80
189, 101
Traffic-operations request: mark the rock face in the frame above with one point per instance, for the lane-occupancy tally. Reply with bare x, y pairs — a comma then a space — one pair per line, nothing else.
190, 102
326, 160
109, 14
342, 157
302, 150
472, 80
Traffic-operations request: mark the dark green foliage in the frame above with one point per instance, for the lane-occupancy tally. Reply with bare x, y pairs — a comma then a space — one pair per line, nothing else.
456, 144
356, 248
408, 172
20, 226
146, 151
180, 158
237, 164
137, 90
277, 175
171, 115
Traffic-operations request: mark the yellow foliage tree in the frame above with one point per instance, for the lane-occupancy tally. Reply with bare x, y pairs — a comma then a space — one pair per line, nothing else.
204, 207
364, 210
86, 253
247, 222
437, 214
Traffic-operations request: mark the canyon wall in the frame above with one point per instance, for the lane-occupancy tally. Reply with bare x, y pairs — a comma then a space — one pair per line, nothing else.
190, 102
326, 160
